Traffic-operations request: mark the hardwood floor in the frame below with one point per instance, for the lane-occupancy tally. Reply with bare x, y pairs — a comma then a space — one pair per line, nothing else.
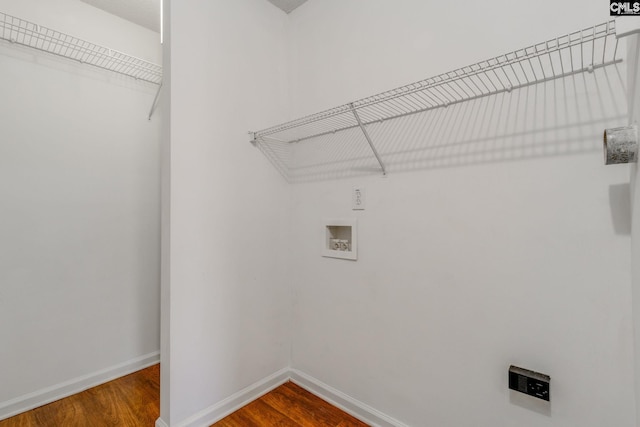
289, 406
134, 401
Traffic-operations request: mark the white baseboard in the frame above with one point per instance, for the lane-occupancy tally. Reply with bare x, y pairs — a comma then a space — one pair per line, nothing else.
215, 413
361, 411
43, 396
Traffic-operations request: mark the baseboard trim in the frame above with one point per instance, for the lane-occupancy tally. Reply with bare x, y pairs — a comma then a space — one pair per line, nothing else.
213, 413
47, 395
218, 411
352, 406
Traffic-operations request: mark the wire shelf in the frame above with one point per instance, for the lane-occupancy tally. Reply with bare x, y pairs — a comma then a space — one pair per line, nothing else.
25, 33
577, 52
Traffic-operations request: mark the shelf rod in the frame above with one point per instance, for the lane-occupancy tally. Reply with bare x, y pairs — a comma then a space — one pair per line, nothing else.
366, 135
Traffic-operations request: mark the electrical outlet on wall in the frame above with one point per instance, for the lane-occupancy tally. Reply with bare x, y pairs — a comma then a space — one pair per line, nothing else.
357, 199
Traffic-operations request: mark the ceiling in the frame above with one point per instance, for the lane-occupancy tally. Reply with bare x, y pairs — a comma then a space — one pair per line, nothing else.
141, 12
147, 12
287, 5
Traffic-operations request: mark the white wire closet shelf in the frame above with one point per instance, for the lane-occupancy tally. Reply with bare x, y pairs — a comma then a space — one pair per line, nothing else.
577, 52
25, 33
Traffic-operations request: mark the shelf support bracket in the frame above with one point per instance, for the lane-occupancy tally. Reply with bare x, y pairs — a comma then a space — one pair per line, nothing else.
366, 135
155, 101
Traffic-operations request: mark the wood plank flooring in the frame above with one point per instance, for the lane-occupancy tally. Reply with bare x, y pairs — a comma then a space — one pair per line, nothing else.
134, 401
289, 406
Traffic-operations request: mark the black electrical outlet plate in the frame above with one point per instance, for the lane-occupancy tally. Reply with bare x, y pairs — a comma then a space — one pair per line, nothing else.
529, 382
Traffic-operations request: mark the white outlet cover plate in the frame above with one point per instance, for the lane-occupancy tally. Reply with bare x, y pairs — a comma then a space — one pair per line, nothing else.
358, 199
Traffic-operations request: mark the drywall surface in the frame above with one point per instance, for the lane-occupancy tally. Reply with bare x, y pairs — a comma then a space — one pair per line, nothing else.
230, 300
79, 196
164, 111
633, 84
507, 243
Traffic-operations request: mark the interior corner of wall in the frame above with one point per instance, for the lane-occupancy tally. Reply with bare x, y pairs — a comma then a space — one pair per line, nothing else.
627, 25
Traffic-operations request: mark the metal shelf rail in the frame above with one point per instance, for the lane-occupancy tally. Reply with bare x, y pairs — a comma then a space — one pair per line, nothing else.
25, 33
577, 52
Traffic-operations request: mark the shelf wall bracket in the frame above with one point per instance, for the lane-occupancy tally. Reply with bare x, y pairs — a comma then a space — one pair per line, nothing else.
368, 138
155, 101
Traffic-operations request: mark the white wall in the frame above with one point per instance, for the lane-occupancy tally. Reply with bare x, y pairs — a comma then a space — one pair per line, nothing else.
79, 196
164, 112
507, 244
229, 300
634, 118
